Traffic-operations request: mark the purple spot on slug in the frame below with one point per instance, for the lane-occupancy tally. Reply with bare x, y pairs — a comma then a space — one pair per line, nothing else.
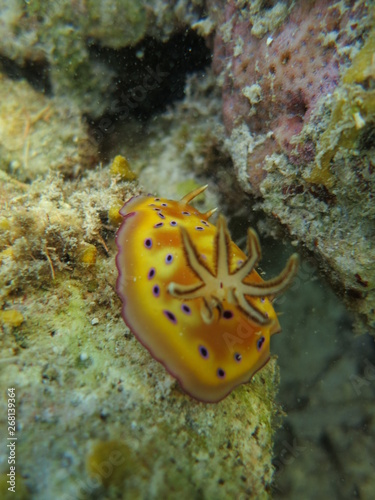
169, 258
173, 223
199, 228
186, 309
156, 291
161, 215
262, 299
151, 204
185, 213
148, 242
170, 316
205, 223
220, 373
151, 273
260, 343
157, 199
237, 357
227, 315
164, 205
159, 224
203, 352
239, 262
157, 209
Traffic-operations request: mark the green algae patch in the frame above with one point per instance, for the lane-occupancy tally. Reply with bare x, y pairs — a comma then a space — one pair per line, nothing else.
93, 391
187, 186
363, 64
20, 488
111, 462
118, 24
353, 112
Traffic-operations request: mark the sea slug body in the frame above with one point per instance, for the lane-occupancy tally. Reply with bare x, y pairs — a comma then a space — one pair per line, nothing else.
192, 297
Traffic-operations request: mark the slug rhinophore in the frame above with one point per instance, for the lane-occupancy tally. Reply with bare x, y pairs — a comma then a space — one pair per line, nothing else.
192, 297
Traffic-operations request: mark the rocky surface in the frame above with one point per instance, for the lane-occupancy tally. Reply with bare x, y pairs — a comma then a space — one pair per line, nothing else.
298, 105
39, 134
70, 47
295, 143
96, 415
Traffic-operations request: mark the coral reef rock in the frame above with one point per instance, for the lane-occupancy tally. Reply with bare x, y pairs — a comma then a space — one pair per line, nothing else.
38, 134
96, 415
63, 41
108, 418
298, 105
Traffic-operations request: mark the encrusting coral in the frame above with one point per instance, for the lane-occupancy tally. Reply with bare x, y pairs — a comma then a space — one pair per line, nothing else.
298, 105
273, 79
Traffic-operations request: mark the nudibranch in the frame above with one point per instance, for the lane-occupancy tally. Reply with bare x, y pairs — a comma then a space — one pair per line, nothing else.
192, 297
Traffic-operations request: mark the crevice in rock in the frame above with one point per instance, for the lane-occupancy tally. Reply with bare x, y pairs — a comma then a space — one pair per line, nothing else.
35, 72
149, 77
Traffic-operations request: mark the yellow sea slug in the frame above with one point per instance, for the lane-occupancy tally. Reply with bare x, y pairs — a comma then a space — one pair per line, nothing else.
192, 297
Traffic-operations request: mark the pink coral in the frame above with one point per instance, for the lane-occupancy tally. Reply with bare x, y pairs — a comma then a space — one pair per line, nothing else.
273, 83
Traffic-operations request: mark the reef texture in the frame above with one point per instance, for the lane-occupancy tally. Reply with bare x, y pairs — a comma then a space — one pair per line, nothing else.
96, 415
62, 40
298, 105
38, 134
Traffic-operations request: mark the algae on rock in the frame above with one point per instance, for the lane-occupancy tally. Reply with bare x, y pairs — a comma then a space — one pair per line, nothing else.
84, 382
109, 420
63, 39
305, 149
38, 133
